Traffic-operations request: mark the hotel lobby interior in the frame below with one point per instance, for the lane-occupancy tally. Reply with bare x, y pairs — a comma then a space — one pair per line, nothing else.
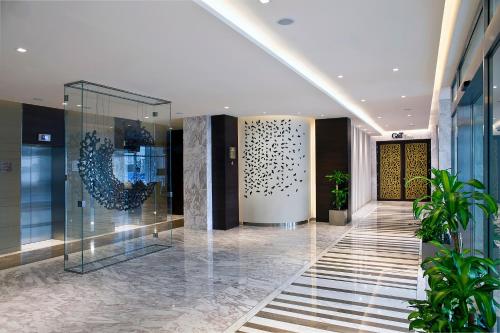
249, 166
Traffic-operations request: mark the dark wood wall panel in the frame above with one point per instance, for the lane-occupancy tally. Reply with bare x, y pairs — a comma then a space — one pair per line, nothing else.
43, 120
225, 204
333, 152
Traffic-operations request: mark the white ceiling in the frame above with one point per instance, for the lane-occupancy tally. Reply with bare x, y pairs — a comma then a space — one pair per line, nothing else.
178, 51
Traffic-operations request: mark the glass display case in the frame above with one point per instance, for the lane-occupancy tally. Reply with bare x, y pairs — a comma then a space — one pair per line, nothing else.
118, 202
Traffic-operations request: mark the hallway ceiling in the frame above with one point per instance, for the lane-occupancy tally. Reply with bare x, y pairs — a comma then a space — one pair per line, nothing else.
179, 51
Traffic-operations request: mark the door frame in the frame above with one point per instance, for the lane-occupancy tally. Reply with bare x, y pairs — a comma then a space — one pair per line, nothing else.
403, 169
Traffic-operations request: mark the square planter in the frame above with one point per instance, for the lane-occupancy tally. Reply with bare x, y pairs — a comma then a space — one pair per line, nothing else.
428, 250
337, 217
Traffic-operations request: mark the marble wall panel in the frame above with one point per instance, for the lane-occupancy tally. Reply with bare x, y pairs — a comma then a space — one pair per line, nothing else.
197, 173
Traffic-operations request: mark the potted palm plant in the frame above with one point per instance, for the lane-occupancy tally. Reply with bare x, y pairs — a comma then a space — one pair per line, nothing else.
339, 191
460, 293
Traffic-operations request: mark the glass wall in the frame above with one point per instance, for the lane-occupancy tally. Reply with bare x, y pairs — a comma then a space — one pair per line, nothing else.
494, 152
117, 196
468, 122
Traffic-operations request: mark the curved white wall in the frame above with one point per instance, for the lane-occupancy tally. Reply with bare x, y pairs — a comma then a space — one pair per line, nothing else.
274, 169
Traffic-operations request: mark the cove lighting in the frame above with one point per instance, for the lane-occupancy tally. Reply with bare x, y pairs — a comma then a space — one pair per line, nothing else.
21, 50
234, 15
450, 14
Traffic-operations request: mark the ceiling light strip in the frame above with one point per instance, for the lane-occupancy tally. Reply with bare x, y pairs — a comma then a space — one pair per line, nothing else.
226, 11
450, 14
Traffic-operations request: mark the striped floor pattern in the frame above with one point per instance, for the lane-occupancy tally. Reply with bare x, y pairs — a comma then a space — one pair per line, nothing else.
361, 284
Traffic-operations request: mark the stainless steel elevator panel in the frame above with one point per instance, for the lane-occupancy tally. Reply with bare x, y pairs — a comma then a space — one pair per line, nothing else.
36, 200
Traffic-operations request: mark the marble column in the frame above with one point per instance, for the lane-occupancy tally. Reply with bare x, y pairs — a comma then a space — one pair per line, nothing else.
197, 173
444, 134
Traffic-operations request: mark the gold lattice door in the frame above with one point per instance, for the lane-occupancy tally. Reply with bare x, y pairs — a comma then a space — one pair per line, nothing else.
416, 164
398, 162
390, 171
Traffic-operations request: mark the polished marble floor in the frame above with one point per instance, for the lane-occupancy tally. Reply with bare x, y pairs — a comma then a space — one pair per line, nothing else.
249, 279
360, 284
205, 283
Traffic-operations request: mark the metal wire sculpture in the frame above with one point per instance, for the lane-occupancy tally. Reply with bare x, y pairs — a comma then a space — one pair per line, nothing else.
95, 167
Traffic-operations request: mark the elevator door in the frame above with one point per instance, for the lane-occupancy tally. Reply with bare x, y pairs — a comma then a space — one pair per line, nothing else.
397, 163
36, 199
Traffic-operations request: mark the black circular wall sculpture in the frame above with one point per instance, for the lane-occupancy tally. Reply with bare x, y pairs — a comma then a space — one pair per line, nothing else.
95, 167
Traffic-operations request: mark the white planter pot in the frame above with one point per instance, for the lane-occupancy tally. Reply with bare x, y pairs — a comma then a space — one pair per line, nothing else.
338, 217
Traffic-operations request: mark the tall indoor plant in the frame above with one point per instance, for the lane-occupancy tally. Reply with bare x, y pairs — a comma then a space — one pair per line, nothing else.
460, 294
339, 192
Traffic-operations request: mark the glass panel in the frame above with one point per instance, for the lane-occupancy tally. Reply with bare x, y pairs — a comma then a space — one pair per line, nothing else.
116, 159
475, 42
493, 7
494, 156
464, 155
478, 169
454, 133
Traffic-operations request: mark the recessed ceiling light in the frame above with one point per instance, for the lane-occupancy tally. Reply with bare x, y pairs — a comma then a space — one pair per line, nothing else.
412, 124
409, 115
146, 117
395, 69
264, 112
379, 117
340, 76
403, 96
494, 87
285, 21
21, 50
78, 105
322, 115
227, 107
264, 1
363, 100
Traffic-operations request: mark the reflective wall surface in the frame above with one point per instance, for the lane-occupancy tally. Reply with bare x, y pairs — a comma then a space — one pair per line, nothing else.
36, 194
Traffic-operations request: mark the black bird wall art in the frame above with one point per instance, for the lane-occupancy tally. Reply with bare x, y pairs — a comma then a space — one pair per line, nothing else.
274, 159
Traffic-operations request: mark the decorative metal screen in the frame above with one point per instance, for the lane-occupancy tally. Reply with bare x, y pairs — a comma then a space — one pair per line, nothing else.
416, 164
390, 171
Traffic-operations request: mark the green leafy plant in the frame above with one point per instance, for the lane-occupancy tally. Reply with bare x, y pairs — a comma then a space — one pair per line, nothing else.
460, 295
339, 191
460, 298
449, 206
